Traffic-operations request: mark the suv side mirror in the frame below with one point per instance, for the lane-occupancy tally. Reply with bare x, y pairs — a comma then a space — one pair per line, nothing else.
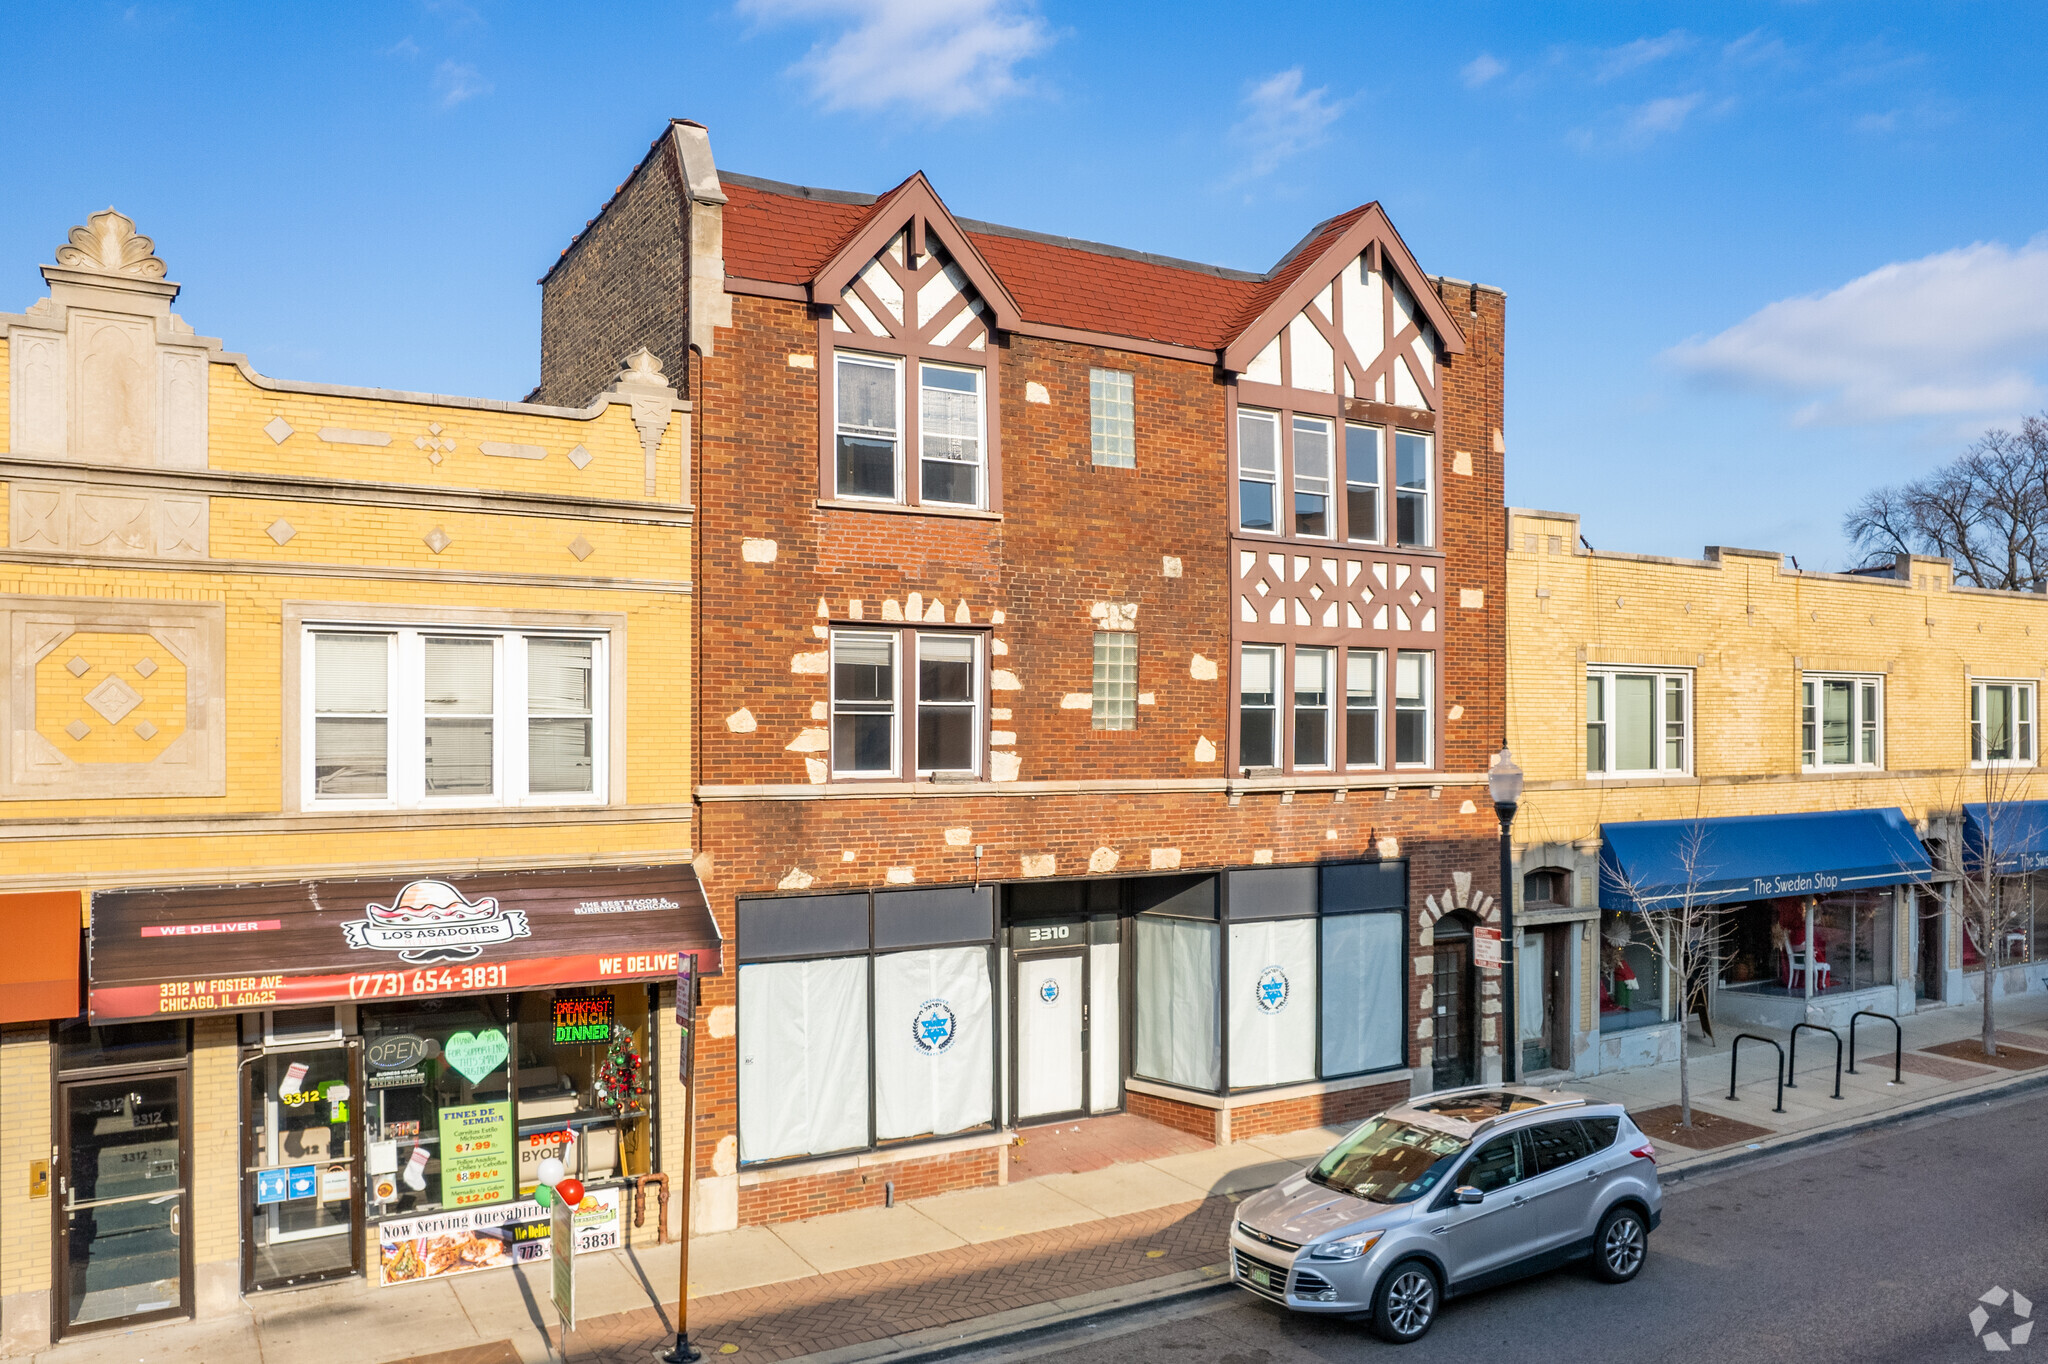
1467, 1194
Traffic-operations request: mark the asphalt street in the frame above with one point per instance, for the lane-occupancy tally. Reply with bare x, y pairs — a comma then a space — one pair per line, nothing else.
1873, 1248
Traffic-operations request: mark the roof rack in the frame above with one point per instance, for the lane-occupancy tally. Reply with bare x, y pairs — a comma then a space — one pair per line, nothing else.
1484, 1123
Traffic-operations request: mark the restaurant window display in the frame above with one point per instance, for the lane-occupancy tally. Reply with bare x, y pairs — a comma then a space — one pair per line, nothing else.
583, 1072
1631, 980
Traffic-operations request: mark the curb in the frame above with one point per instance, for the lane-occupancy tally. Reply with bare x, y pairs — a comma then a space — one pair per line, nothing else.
1023, 1323
1991, 1090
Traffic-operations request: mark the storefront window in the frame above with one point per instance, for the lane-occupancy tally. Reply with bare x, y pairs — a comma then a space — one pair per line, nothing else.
934, 1042
1363, 990
437, 1078
1272, 1002
1631, 976
803, 1028
1179, 986
83, 1046
1853, 941
583, 1069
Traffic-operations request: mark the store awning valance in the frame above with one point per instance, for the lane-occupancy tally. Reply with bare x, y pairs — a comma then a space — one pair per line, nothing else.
281, 945
39, 969
1654, 864
2013, 834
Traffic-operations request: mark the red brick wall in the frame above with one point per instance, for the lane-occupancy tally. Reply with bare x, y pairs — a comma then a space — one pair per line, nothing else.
788, 1200
1314, 1110
1475, 536
1181, 1117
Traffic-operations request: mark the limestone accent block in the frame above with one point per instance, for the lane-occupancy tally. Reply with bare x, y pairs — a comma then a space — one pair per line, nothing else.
803, 361
1037, 864
1461, 463
741, 721
1262, 856
1390, 847
818, 710
848, 855
935, 614
901, 876
1146, 698
498, 449
758, 551
1456, 712
891, 610
1003, 766
341, 435
1472, 598
959, 837
960, 614
816, 664
278, 429
1202, 669
1103, 859
1002, 738
816, 771
913, 606
723, 1021
1165, 859
1468, 808
796, 879
809, 741
1205, 752
1115, 615
582, 548
998, 648
1076, 700
725, 1157
1169, 565
1034, 392
1004, 680
995, 617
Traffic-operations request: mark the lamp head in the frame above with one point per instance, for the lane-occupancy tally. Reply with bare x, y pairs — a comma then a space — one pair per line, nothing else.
1504, 780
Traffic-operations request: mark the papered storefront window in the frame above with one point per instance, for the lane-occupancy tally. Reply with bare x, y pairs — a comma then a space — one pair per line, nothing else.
1272, 1003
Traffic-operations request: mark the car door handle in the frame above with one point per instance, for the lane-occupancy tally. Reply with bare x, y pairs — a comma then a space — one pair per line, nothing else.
1438, 1231
1520, 1201
1592, 1174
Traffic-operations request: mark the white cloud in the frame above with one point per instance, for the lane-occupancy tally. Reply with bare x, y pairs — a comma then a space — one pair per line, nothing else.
1665, 115
1281, 120
1960, 335
944, 57
1482, 69
1619, 61
455, 82
1636, 126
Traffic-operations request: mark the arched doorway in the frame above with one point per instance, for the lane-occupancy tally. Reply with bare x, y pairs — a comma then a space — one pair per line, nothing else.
1453, 1004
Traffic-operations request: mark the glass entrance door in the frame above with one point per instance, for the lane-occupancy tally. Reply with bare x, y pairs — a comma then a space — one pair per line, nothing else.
1450, 993
303, 1179
125, 1201
1049, 995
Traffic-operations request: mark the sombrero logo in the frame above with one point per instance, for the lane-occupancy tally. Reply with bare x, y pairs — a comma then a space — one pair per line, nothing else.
934, 1026
1271, 990
432, 921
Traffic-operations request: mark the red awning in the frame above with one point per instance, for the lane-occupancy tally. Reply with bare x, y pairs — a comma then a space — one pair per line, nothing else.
39, 969
223, 948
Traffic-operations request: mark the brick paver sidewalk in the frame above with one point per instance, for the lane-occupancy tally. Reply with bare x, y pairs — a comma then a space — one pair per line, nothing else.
852, 1306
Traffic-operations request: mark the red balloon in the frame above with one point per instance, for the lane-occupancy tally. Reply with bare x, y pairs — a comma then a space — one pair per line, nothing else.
570, 1191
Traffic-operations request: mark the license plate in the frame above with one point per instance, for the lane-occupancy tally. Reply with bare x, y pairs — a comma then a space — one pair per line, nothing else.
1262, 1278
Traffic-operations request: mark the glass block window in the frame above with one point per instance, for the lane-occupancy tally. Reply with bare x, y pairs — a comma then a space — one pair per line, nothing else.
1112, 422
1114, 701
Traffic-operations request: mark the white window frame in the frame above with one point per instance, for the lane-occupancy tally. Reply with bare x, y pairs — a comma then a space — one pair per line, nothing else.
1305, 485
1865, 689
1427, 532
1376, 661
1428, 708
977, 738
405, 728
1375, 534
1277, 707
2026, 697
1330, 659
1283, 507
1661, 680
896, 689
895, 364
980, 465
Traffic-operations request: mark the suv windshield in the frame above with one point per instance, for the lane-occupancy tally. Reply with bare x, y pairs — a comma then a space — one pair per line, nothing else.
1388, 1161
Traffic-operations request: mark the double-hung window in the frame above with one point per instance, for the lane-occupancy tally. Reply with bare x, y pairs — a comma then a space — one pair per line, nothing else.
2002, 723
1258, 470
1840, 723
939, 682
1411, 488
1411, 709
1363, 461
1312, 668
1638, 723
869, 426
950, 433
1311, 476
1362, 707
1112, 423
1258, 719
418, 718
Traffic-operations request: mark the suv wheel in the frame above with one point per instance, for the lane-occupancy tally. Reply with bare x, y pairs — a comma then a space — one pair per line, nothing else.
1404, 1306
1620, 1245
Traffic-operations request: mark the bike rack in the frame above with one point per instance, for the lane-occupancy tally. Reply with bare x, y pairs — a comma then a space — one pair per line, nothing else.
1898, 1042
1735, 1053
1792, 1063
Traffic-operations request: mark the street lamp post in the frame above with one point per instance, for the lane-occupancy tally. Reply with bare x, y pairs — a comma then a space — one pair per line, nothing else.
1504, 782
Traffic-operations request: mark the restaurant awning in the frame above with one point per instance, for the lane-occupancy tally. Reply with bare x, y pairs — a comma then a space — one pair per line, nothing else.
2013, 834
279, 945
39, 969
1653, 864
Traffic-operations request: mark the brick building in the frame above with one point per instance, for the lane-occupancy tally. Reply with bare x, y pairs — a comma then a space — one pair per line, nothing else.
1101, 657
298, 678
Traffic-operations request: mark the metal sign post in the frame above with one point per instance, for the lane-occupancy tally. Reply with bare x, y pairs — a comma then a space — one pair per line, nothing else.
682, 1352
562, 1253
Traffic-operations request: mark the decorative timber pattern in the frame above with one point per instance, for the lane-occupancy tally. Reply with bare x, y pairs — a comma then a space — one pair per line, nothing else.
1294, 594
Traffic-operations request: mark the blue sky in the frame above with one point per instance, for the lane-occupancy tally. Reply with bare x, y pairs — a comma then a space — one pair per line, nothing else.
1758, 257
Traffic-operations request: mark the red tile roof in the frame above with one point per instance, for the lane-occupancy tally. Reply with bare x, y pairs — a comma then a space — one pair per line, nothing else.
785, 236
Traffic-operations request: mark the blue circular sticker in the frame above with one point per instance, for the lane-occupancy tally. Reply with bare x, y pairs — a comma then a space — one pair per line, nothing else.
1049, 991
1271, 990
934, 1026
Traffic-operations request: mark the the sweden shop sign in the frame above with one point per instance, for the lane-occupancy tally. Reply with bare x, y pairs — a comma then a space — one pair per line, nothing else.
1806, 883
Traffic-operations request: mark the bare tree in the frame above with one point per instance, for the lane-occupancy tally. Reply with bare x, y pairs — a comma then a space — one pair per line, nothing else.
1990, 908
1687, 929
1987, 510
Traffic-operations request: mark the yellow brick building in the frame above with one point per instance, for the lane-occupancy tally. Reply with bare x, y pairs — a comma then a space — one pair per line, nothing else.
1646, 689
237, 615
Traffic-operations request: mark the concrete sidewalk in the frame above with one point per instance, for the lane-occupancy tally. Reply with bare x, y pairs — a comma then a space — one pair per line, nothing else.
881, 1283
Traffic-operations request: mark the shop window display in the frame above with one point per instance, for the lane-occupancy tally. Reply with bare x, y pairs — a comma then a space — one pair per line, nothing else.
583, 1069
1631, 976
1852, 937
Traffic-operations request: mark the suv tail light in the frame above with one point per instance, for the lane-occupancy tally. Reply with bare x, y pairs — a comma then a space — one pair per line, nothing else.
1645, 1152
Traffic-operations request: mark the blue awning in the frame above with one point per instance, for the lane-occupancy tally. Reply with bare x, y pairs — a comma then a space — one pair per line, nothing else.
1643, 865
2013, 832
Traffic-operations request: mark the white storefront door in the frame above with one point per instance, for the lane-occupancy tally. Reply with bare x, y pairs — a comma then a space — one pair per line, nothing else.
1051, 1035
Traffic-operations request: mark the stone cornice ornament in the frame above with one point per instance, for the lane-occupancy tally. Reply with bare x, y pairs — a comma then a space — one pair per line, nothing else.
109, 244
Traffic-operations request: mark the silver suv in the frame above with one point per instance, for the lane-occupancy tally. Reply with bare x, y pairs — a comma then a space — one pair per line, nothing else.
1453, 1192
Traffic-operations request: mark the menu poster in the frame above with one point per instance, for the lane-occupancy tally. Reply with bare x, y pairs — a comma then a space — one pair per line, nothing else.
434, 1246
476, 1154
